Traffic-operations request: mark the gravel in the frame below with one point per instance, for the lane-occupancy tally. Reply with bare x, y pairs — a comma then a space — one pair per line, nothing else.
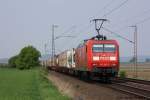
81, 90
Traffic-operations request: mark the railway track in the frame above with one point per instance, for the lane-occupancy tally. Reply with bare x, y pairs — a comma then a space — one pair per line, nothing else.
133, 80
138, 88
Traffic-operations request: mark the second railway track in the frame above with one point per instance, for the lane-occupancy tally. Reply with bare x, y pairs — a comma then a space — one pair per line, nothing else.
138, 88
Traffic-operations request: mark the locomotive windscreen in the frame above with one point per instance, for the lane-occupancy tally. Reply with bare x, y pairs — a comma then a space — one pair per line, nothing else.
98, 48
104, 48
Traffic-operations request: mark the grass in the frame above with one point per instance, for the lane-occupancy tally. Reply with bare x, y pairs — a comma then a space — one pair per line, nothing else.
27, 85
122, 74
143, 70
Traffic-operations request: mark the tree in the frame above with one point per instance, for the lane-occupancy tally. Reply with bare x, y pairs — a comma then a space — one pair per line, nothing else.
28, 58
12, 61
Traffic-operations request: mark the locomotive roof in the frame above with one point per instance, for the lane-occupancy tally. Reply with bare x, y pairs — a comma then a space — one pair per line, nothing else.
92, 40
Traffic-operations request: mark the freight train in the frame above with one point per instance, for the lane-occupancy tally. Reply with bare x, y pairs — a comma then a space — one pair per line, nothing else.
95, 58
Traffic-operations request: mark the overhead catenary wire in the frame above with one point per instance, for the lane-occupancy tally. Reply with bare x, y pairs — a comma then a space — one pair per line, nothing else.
107, 5
61, 35
75, 36
111, 11
68, 30
82, 30
136, 23
112, 32
116, 34
133, 17
88, 26
142, 21
68, 36
78, 39
116, 8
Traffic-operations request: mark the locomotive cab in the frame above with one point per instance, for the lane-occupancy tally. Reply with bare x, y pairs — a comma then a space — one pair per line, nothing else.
103, 56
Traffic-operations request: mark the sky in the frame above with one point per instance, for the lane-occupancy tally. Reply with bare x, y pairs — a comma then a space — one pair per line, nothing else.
29, 22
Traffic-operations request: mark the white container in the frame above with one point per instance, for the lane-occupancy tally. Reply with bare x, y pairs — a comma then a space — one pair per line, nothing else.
66, 59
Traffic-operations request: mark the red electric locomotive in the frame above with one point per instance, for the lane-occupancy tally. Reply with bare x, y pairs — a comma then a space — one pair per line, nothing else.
94, 58
98, 58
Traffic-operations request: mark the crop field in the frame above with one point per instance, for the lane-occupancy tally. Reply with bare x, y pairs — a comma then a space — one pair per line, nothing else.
143, 70
27, 85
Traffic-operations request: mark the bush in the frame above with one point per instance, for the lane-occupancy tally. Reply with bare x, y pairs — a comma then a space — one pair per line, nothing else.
122, 74
27, 58
12, 61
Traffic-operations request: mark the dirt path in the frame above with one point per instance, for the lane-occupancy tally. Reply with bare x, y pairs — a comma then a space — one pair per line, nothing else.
80, 90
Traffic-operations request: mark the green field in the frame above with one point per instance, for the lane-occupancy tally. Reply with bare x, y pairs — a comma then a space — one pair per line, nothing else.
27, 85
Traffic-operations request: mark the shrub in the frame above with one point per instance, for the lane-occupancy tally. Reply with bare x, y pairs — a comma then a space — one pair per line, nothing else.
122, 74
26, 59
12, 61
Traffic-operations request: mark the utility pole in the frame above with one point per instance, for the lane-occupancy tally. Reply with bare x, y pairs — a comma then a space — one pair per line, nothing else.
135, 50
53, 43
98, 27
45, 48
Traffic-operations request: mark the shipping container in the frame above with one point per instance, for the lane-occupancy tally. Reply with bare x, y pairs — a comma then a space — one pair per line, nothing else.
66, 59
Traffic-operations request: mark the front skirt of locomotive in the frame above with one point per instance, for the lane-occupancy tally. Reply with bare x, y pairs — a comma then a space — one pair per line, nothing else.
105, 72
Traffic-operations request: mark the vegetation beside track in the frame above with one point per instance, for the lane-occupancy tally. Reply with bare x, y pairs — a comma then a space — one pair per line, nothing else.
27, 85
143, 71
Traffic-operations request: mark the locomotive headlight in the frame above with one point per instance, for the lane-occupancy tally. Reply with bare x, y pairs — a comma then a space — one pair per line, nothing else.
95, 58
113, 58
113, 64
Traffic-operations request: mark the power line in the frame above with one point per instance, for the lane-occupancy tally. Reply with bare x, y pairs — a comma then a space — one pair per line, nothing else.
119, 6
108, 12
85, 28
116, 8
80, 32
116, 34
137, 23
108, 4
68, 30
88, 26
135, 16
144, 20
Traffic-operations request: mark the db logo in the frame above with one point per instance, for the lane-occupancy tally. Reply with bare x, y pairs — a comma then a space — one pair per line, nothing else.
104, 58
